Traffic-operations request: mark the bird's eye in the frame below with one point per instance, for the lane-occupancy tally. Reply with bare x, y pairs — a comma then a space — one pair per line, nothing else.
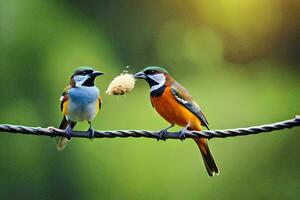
150, 72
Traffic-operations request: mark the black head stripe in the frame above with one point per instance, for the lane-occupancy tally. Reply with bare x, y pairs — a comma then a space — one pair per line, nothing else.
83, 72
150, 72
151, 82
90, 82
158, 92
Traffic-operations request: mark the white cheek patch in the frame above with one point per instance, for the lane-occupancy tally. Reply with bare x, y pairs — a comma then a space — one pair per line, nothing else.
79, 80
160, 79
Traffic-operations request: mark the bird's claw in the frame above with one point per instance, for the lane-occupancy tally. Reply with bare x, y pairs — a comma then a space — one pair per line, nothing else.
182, 134
162, 134
91, 132
69, 132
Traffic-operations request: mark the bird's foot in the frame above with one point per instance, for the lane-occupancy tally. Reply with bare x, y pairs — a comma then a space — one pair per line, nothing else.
69, 132
163, 132
91, 133
161, 135
182, 134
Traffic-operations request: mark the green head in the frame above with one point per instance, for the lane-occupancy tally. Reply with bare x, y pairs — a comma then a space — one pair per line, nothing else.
85, 76
155, 69
82, 69
151, 70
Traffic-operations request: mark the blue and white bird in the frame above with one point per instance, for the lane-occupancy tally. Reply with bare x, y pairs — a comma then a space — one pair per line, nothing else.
80, 101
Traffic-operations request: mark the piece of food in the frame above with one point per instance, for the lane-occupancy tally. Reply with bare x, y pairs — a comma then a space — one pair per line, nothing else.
121, 84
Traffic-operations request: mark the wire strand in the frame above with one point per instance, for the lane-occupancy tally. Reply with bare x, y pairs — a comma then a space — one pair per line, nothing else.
52, 132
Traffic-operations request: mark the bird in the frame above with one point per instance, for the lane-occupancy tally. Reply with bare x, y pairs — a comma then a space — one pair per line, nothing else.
80, 101
175, 104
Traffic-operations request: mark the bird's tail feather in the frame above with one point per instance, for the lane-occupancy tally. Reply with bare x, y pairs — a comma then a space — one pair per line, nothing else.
208, 159
63, 141
61, 144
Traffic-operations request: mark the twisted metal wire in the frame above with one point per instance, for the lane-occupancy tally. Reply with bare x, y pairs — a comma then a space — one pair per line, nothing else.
52, 132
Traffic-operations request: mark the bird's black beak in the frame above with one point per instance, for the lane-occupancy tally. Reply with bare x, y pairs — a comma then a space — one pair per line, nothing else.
140, 75
96, 73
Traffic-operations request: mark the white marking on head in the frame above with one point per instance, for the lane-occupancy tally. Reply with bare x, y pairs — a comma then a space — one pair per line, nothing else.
80, 79
160, 79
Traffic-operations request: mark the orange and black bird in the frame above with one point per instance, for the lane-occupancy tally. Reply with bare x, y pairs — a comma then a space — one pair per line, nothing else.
80, 101
174, 103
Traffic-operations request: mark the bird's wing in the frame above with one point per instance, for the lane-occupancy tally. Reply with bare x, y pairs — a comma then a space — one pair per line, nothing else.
64, 97
185, 99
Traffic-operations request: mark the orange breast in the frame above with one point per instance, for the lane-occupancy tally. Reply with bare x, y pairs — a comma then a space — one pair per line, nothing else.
175, 113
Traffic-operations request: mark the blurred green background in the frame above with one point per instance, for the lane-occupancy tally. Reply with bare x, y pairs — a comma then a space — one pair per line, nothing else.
239, 59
